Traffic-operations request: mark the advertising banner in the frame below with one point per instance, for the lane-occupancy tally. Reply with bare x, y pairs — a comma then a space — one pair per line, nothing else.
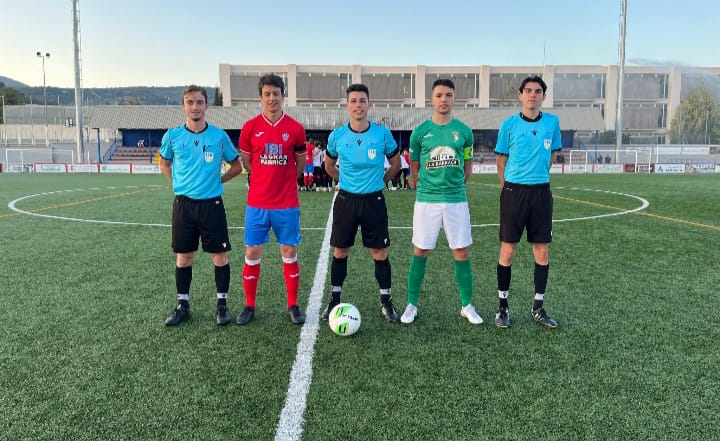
83, 168
607, 168
144, 169
49, 168
669, 168
115, 168
484, 168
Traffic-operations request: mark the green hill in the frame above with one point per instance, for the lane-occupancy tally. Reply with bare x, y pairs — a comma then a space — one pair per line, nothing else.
136, 95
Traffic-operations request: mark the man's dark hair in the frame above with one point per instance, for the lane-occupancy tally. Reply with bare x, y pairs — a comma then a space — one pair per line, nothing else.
443, 82
533, 79
357, 88
271, 80
192, 89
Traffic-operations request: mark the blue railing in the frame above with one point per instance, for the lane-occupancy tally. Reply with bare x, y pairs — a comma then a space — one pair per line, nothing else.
111, 151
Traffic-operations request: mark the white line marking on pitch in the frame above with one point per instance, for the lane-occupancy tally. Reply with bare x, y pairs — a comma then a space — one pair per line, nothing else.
12, 206
292, 416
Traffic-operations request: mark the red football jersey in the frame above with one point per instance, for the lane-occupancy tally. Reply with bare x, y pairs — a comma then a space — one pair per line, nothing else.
310, 148
272, 147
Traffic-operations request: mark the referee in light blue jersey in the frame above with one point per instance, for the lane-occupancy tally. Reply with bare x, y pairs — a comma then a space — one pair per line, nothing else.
192, 156
361, 147
526, 147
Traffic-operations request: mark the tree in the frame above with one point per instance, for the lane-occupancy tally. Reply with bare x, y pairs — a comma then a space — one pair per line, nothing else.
12, 97
609, 136
218, 101
509, 98
129, 101
696, 119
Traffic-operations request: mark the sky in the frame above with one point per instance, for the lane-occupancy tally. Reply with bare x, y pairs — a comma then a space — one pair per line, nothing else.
179, 42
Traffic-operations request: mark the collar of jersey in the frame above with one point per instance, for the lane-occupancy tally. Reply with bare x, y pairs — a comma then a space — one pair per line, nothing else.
525, 118
276, 122
368, 128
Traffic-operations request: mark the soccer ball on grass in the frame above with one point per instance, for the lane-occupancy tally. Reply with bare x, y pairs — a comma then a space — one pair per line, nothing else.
344, 319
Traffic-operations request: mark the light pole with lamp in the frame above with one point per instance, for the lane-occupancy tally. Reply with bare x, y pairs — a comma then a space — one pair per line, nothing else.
44, 56
4, 133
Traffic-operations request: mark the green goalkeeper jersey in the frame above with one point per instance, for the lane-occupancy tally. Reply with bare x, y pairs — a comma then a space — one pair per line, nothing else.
442, 152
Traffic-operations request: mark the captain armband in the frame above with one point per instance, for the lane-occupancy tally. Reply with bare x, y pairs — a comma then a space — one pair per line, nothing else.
468, 153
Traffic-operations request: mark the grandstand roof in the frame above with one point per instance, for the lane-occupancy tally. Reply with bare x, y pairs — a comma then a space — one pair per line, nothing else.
317, 118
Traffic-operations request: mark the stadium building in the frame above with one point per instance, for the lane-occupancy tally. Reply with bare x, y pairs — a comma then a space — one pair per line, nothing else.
651, 94
584, 98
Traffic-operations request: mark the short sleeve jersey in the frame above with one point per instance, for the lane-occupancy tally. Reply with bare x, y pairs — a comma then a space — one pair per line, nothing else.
317, 157
528, 146
362, 155
197, 160
403, 161
442, 151
310, 148
272, 148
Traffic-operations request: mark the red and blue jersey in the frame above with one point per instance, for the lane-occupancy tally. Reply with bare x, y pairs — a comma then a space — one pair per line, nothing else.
310, 151
272, 148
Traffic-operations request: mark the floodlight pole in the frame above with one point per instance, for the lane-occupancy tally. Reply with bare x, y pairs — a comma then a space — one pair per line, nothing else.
4, 132
78, 88
44, 56
621, 78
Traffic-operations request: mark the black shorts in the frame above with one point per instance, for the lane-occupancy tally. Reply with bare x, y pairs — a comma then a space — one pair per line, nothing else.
203, 219
526, 207
367, 211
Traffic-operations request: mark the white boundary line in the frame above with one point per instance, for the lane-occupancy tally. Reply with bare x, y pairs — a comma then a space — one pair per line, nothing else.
12, 206
292, 416
644, 203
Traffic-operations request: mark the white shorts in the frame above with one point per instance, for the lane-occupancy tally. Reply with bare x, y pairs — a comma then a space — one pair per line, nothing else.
428, 217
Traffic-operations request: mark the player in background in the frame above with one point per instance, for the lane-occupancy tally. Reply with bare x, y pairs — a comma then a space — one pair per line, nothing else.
325, 178
526, 147
404, 175
410, 176
318, 156
362, 147
273, 150
441, 151
308, 171
192, 156
389, 185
